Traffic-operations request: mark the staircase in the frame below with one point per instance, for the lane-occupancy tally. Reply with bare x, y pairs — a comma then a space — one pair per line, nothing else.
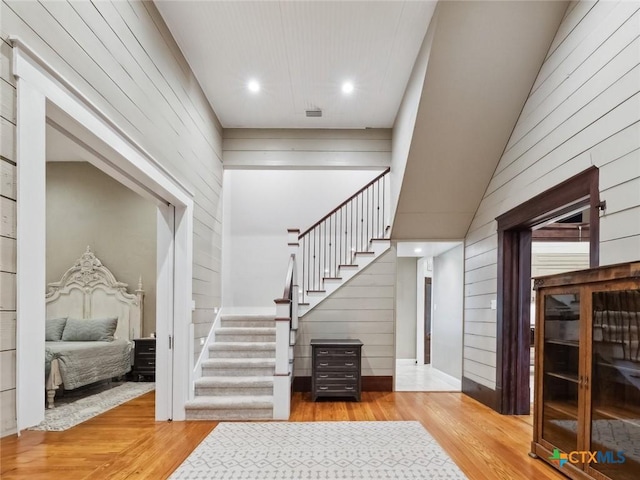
249, 370
237, 378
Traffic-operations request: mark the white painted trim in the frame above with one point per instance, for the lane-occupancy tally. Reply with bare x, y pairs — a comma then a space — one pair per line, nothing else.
164, 306
43, 91
406, 361
196, 373
31, 254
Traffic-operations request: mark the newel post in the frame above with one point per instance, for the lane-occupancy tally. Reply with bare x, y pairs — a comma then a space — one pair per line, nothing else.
282, 376
283, 322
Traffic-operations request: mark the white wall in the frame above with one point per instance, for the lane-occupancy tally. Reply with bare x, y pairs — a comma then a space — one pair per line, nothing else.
260, 205
583, 110
306, 148
406, 307
123, 58
363, 308
405, 121
86, 207
447, 320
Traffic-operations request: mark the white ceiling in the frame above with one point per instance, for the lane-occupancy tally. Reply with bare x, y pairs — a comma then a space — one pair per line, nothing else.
301, 52
424, 249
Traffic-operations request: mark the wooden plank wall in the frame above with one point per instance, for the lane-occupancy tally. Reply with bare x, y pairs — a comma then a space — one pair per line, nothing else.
583, 110
306, 148
122, 56
7, 243
363, 308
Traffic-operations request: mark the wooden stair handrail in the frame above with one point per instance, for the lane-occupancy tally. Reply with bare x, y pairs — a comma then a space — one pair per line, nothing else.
387, 170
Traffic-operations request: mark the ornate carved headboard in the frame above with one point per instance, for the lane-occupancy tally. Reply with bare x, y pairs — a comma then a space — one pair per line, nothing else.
89, 290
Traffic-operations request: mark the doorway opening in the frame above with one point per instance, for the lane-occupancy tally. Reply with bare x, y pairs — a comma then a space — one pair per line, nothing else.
515, 237
45, 97
429, 293
427, 320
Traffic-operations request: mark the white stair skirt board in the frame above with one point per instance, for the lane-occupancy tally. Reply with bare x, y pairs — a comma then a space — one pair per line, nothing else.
237, 381
344, 274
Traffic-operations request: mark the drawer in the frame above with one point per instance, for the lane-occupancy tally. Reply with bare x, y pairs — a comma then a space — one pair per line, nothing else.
146, 348
336, 377
337, 364
336, 388
336, 351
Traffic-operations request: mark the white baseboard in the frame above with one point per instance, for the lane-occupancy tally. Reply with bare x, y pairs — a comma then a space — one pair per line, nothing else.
405, 361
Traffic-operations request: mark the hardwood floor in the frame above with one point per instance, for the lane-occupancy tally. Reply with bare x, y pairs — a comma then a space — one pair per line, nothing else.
126, 443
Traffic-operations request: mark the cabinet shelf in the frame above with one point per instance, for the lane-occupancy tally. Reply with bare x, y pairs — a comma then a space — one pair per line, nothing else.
559, 341
565, 408
563, 376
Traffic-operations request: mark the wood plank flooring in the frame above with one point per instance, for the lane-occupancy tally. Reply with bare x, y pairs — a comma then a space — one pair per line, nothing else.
126, 442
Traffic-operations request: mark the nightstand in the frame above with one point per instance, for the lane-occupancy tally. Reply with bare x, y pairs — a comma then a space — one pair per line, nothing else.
144, 358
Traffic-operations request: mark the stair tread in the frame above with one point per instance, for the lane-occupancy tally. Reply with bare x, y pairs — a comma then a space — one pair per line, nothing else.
239, 316
243, 346
232, 402
255, 381
247, 330
267, 362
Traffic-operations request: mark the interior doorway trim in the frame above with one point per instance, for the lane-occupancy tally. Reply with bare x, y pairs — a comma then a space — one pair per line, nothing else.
41, 92
514, 279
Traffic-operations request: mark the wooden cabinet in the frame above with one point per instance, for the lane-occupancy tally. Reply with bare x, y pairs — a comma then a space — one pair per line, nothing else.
144, 358
587, 388
336, 368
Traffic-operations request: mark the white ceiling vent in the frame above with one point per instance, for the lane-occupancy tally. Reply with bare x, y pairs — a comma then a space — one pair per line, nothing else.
314, 113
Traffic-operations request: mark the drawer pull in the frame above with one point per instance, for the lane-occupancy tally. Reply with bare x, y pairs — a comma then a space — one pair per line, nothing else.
151, 349
350, 364
323, 388
349, 352
324, 352
324, 364
324, 376
348, 388
349, 376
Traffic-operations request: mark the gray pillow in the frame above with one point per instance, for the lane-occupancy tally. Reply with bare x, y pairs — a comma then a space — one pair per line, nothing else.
54, 328
90, 330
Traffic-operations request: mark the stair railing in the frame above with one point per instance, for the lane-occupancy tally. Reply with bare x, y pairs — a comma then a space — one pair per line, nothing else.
336, 239
286, 328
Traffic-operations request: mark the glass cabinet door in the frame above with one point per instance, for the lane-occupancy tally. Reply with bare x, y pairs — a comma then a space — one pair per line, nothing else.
615, 383
561, 367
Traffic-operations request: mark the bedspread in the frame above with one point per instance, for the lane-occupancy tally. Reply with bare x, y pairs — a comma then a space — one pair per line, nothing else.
82, 363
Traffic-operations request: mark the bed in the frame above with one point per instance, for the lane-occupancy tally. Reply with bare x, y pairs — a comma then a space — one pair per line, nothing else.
91, 320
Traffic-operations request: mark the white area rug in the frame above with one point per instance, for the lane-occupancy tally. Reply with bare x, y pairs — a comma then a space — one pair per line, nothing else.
319, 450
66, 416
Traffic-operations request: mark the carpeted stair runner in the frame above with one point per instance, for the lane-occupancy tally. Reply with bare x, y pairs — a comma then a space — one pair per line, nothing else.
237, 378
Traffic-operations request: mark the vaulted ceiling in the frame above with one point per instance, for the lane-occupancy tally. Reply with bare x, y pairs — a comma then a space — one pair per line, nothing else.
482, 63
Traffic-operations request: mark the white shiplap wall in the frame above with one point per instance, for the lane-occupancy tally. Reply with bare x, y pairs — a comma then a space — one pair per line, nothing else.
7, 243
122, 56
363, 308
307, 148
583, 110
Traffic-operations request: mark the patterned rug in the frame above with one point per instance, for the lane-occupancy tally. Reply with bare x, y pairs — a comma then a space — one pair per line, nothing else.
65, 416
319, 450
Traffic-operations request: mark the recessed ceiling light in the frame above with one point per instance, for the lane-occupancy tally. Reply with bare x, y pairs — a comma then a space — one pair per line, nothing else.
253, 86
418, 250
347, 88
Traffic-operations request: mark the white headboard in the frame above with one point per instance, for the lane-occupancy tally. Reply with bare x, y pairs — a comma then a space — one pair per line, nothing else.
89, 290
